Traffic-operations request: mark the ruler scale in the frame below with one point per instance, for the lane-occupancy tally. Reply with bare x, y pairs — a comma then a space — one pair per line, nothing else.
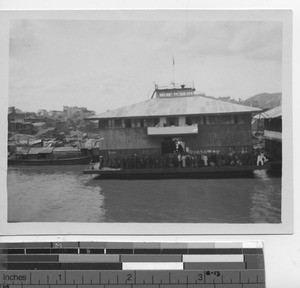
132, 265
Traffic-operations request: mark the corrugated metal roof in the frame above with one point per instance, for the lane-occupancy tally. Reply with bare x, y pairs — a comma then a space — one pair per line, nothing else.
274, 113
39, 124
191, 105
22, 150
66, 149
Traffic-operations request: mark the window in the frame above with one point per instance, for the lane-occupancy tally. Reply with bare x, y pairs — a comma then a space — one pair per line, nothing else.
103, 124
135, 123
211, 119
188, 121
151, 122
236, 119
197, 120
118, 123
172, 121
155, 121
142, 123
241, 119
224, 119
128, 123
111, 124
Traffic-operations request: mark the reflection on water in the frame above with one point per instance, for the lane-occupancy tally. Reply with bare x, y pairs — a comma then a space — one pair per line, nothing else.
65, 194
266, 199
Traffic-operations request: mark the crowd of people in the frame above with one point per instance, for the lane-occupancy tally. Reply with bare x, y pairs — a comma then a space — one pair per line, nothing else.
180, 160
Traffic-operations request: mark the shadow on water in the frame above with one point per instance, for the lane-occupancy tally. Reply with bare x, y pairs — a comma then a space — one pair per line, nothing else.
220, 175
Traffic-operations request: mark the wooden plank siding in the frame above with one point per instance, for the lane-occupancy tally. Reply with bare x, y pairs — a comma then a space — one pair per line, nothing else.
127, 138
219, 135
211, 135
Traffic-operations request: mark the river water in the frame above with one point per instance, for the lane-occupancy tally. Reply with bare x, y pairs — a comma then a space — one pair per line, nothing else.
65, 194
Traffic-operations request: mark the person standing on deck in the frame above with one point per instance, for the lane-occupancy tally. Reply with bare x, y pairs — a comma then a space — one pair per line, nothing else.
180, 149
205, 160
183, 159
180, 160
261, 159
101, 160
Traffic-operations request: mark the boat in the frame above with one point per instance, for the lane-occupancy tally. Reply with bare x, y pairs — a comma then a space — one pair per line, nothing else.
173, 173
52, 156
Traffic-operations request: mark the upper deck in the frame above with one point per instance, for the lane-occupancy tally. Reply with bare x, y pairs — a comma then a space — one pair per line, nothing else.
174, 92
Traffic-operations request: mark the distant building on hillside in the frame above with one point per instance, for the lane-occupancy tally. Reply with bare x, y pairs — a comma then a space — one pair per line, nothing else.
177, 116
19, 121
55, 113
77, 112
42, 112
39, 126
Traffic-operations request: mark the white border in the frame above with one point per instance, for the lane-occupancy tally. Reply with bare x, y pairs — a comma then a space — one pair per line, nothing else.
141, 228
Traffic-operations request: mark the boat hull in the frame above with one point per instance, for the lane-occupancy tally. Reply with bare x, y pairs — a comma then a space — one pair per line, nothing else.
174, 173
36, 162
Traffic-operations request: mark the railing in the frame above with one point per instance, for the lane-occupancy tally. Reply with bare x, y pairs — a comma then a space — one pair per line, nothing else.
173, 130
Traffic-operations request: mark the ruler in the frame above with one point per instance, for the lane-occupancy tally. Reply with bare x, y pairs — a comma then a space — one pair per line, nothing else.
131, 265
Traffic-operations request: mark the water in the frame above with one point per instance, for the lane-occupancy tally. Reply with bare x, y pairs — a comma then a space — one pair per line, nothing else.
65, 194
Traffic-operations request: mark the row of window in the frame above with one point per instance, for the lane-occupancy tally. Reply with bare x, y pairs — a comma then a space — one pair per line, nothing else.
128, 123
171, 121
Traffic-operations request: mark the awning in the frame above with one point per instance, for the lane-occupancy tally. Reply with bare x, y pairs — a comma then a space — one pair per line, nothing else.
65, 149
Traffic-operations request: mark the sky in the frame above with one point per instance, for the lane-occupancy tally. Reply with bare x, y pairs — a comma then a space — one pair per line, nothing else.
107, 64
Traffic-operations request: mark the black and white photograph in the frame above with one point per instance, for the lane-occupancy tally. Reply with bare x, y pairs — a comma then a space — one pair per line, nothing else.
148, 117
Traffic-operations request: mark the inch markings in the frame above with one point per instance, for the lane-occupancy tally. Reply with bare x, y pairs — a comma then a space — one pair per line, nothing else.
131, 265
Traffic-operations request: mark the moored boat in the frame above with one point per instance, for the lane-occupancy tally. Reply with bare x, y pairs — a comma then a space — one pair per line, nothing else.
52, 156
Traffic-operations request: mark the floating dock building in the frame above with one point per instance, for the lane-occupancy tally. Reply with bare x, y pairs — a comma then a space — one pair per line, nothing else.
177, 118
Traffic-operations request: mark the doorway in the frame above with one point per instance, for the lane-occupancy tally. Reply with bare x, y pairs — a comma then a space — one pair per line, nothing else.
171, 145
168, 147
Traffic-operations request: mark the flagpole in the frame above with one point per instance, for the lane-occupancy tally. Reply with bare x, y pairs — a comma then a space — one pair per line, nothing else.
173, 71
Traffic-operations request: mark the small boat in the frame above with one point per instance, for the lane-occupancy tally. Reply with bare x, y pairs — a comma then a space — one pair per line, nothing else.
52, 156
173, 173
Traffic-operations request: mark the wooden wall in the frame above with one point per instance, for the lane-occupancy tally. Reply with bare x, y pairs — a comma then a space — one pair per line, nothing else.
213, 135
128, 138
219, 135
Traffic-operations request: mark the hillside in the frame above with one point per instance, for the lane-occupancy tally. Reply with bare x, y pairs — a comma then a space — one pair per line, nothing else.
264, 100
